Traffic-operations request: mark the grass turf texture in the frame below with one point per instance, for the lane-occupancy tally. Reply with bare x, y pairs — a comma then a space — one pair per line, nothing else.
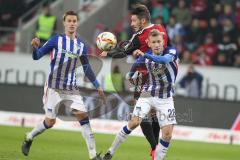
66, 145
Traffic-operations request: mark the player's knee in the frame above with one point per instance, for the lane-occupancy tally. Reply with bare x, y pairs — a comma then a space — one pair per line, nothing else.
50, 123
167, 135
135, 122
80, 115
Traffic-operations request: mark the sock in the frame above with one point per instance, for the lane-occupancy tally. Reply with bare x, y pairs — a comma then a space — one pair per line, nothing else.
161, 150
40, 128
147, 130
156, 128
119, 139
89, 137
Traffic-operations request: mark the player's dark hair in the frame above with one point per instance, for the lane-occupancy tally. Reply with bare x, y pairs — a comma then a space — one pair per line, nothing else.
141, 11
70, 13
154, 33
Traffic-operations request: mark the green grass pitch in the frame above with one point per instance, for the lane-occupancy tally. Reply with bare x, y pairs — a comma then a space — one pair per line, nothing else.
66, 145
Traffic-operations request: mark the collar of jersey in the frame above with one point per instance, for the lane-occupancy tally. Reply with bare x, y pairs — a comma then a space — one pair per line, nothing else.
67, 36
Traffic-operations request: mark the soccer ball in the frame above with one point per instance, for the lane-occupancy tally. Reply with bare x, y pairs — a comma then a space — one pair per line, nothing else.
106, 41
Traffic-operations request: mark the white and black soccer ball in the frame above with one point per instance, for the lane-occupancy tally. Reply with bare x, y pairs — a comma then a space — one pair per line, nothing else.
106, 41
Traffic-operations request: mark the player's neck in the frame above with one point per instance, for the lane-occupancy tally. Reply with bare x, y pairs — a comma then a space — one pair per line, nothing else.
71, 35
147, 25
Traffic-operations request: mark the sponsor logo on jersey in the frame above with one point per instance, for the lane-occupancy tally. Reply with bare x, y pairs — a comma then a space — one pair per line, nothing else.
69, 54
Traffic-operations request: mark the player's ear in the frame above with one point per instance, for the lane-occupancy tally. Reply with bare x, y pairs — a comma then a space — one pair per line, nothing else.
143, 20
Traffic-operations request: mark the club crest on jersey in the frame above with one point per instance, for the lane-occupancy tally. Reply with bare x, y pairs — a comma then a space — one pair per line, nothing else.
79, 46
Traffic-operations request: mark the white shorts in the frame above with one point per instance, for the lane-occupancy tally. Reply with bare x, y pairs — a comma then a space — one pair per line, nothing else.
165, 110
52, 99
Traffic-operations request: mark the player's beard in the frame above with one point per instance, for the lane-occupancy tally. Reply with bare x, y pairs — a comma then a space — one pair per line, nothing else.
140, 27
137, 30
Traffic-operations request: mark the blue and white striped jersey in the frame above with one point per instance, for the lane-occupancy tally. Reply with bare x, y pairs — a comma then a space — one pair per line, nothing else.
66, 55
162, 72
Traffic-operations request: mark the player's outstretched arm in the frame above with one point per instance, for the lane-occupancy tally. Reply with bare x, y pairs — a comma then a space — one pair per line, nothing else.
122, 50
115, 53
91, 76
88, 71
160, 59
45, 49
170, 55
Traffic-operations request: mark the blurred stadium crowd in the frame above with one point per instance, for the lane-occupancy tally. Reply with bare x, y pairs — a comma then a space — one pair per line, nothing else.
12, 10
12, 14
204, 32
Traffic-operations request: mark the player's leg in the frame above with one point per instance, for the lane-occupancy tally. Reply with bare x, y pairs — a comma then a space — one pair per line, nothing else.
50, 99
141, 109
147, 130
122, 136
87, 133
162, 148
156, 131
150, 128
40, 128
156, 127
80, 112
146, 125
167, 120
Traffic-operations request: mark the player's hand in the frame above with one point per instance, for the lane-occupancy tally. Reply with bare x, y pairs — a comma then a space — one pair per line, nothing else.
129, 78
102, 95
104, 54
138, 53
35, 43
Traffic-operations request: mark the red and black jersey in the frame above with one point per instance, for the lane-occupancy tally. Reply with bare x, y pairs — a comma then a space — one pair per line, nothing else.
138, 41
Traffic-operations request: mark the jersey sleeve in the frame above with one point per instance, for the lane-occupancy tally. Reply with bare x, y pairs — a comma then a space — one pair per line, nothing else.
85, 50
159, 59
45, 49
171, 51
87, 67
125, 48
